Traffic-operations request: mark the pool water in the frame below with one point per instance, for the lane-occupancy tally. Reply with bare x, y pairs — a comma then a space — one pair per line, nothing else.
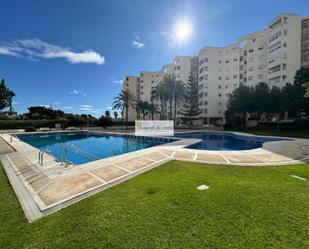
87, 147
225, 141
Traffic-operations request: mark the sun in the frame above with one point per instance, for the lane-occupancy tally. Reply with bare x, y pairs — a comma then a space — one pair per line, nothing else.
183, 30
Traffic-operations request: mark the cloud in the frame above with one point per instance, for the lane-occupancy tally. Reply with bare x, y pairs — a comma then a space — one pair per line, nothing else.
68, 107
118, 81
34, 49
168, 36
56, 103
137, 42
47, 106
109, 107
86, 106
15, 103
78, 92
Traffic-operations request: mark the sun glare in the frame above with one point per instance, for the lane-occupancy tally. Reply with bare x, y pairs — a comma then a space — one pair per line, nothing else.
183, 30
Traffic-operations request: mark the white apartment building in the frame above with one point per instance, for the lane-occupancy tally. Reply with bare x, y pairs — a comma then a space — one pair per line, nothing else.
284, 49
305, 43
271, 55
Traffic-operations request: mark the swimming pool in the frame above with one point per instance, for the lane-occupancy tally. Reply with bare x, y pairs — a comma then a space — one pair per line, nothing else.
225, 141
83, 147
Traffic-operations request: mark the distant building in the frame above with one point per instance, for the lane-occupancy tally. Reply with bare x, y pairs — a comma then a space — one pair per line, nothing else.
305, 43
271, 55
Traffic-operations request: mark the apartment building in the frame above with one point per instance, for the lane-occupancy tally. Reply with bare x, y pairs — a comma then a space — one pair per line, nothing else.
132, 83
271, 55
305, 43
284, 49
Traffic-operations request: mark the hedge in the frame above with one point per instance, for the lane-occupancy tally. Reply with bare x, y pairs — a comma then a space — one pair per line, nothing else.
22, 124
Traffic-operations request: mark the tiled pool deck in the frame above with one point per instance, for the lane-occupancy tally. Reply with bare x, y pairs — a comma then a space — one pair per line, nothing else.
43, 189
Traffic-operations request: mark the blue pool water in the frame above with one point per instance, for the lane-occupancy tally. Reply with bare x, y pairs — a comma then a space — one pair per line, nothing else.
86, 147
225, 141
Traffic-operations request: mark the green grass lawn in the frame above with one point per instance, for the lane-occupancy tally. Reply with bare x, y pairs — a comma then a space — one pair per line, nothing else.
280, 133
245, 207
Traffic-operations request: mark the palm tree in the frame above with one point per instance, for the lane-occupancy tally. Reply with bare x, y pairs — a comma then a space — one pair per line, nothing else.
160, 93
153, 110
169, 83
107, 114
115, 114
124, 101
142, 108
179, 95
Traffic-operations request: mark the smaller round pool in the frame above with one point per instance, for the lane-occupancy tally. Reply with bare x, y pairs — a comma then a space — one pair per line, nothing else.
225, 141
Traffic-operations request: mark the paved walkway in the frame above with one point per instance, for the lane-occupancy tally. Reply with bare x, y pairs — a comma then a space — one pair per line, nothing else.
53, 186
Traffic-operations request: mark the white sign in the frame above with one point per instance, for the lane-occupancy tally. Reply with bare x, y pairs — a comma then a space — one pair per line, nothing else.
154, 128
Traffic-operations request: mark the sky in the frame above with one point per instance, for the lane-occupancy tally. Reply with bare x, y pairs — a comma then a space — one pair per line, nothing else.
73, 54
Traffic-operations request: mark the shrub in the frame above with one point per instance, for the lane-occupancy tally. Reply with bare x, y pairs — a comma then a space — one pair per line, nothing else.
30, 129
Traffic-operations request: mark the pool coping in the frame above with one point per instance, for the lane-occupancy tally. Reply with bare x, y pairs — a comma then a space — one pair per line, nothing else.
277, 153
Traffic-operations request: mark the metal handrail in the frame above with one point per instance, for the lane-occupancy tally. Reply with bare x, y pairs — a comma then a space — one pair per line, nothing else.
83, 152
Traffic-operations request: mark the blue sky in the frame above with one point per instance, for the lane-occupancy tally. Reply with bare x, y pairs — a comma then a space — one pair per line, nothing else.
73, 54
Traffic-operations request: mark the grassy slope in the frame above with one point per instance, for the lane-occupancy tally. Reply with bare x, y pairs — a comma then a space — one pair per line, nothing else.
245, 207
280, 133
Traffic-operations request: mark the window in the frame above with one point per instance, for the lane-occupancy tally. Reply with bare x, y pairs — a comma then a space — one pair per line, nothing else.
283, 66
200, 95
206, 68
284, 44
240, 76
250, 69
152, 82
201, 69
235, 76
227, 78
142, 81
226, 86
274, 36
285, 20
206, 77
142, 87
219, 61
127, 79
206, 59
241, 58
142, 93
260, 67
206, 94
251, 51
261, 48
253, 40
219, 103
241, 67
260, 76
219, 78
206, 102
250, 78
285, 32
178, 67
284, 77
205, 110
219, 86
219, 95
127, 84
227, 61
201, 78
235, 59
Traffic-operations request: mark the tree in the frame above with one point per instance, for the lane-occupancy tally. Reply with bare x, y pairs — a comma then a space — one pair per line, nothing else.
115, 114
6, 96
124, 101
107, 114
190, 109
153, 110
179, 94
160, 93
241, 101
142, 107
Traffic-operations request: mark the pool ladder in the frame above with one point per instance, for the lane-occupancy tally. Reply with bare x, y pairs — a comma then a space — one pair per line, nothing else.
63, 156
